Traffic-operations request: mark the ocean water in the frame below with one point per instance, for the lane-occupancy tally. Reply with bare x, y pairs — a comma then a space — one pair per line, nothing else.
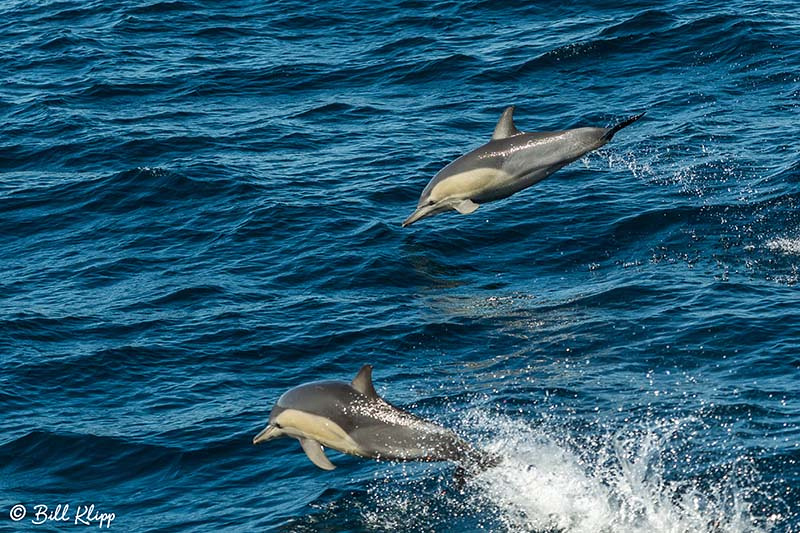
200, 207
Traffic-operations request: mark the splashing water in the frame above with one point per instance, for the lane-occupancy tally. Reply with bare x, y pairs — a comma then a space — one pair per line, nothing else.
620, 486
617, 483
785, 245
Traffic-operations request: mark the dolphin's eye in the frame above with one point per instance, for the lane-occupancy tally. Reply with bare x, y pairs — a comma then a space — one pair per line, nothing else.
277, 425
431, 202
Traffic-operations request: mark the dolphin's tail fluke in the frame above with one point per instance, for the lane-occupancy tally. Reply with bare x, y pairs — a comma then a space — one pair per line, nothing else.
483, 460
627, 122
473, 463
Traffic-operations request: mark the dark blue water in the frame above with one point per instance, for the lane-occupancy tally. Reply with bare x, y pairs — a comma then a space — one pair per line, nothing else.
200, 207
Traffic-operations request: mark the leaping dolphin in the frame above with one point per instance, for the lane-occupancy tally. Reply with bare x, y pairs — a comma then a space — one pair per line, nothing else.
353, 419
511, 161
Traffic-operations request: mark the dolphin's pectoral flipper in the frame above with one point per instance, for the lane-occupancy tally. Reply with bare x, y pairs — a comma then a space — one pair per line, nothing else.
316, 454
466, 207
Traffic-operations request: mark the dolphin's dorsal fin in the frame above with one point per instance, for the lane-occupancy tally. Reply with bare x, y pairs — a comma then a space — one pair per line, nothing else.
316, 454
505, 126
363, 382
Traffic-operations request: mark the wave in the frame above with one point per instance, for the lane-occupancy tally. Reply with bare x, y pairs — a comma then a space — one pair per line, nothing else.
161, 7
401, 46
72, 462
120, 194
453, 66
336, 110
671, 39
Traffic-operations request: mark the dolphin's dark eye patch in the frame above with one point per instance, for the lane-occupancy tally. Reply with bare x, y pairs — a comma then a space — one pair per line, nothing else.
277, 425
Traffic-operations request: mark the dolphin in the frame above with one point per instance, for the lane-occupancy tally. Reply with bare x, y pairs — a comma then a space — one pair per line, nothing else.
353, 419
510, 162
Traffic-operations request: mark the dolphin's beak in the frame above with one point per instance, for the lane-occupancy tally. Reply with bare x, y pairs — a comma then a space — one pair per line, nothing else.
422, 212
269, 432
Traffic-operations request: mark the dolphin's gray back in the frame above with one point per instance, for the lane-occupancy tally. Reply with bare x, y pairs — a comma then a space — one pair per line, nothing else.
328, 399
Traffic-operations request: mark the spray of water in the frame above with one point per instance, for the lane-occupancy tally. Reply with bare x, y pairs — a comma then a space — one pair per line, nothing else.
785, 245
740, 202
618, 482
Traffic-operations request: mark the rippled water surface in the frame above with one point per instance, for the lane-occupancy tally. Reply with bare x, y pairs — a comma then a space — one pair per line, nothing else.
200, 207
